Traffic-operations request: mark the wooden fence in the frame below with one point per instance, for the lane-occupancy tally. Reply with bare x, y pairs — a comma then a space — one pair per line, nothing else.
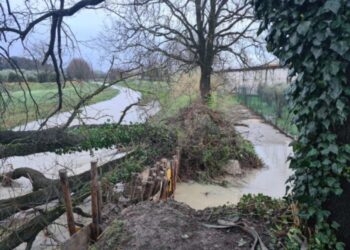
157, 183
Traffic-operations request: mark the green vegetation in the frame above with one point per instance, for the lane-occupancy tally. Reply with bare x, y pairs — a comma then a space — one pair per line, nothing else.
20, 108
282, 222
207, 138
209, 141
271, 103
162, 92
318, 53
9, 75
148, 143
111, 237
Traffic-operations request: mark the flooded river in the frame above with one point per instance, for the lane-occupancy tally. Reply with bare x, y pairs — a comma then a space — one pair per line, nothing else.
271, 146
273, 149
75, 163
78, 162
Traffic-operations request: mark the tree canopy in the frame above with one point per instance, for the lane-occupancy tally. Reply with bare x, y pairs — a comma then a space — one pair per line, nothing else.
210, 35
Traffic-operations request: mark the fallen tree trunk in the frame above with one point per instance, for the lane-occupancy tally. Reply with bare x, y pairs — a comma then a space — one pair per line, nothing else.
20, 143
37, 178
51, 192
28, 231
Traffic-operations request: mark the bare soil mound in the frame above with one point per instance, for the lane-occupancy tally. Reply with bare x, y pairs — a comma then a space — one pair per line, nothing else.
172, 225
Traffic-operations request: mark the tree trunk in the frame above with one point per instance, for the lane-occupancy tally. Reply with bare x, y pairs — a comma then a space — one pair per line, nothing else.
28, 231
339, 205
20, 143
205, 87
51, 192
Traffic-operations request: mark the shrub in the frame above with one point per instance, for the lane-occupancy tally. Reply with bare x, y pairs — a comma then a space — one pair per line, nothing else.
32, 79
13, 77
208, 142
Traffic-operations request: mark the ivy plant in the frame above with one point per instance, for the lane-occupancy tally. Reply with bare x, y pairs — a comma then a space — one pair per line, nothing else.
312, 38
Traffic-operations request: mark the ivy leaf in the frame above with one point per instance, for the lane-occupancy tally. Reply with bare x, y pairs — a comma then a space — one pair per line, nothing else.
303, 27
334, 68
335, 91
332, 5
317, 52
341, 47
340, 105
326, 123
299, 2
333, 148
293, 39
336, 169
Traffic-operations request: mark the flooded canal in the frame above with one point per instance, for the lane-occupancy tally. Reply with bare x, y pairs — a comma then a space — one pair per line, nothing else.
273, 149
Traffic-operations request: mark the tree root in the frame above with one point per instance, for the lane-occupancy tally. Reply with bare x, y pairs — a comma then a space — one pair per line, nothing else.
37, 178
51, 191
28, 231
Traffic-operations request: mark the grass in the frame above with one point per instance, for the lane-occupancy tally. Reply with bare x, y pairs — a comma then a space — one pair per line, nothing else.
170, 101
21, 108
176, 95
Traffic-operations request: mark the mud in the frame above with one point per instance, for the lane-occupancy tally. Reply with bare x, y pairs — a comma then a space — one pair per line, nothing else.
169, 225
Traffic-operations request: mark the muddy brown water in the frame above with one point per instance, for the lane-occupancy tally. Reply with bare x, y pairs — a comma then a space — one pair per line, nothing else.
273, 149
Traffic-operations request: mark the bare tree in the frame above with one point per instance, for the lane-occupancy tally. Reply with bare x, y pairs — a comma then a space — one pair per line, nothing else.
79, 69
20, 19
209, 34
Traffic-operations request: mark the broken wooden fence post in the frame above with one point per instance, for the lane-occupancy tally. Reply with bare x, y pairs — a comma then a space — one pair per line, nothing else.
67, 201
95, 209
164, 189
148, 189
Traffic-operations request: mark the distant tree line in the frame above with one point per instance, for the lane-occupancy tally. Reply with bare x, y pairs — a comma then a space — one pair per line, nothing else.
77, 69
24, 63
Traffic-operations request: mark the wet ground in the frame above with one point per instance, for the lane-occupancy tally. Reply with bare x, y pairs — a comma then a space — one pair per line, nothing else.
273, 149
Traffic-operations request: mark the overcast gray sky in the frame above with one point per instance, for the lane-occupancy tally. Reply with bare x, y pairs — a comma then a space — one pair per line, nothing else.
86, 25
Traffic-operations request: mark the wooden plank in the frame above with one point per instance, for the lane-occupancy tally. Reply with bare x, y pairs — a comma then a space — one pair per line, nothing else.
164, 189
148, 189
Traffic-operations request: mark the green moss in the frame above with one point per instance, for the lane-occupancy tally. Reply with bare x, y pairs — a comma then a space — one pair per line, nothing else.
111, 237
